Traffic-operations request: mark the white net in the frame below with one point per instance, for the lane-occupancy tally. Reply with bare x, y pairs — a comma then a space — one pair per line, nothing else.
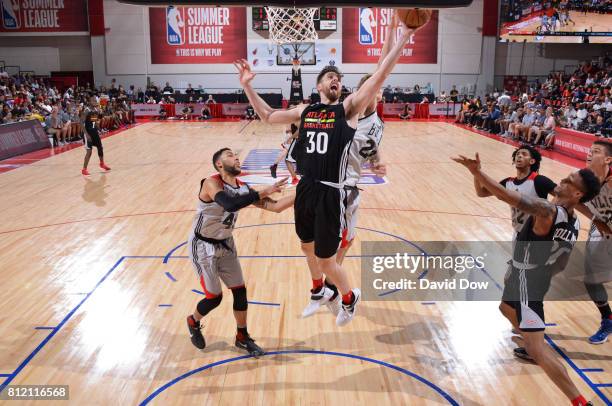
291, 25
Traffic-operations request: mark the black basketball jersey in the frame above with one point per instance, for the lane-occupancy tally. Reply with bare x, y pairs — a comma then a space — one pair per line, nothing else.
297, 95
322, 148
533, 251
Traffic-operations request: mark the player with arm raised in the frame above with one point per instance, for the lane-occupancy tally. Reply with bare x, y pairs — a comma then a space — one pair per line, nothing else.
326, 132
364, 149
598, 259
542, 248
211, 245
528, 181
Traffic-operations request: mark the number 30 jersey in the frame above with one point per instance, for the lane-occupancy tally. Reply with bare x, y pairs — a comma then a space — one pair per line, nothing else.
323, 144
211, 220
365, 146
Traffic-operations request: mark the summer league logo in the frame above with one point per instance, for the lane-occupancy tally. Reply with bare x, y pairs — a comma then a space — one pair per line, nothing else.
10, 14
368, 18
175, 25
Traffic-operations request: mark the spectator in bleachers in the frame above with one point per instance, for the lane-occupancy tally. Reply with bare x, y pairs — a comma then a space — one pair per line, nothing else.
520, 130
168, 89
250, 113
205, 114
189, 90
454, 94
210, 100
406, 114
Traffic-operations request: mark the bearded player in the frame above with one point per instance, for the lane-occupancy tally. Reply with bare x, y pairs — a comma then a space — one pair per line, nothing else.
211, 245
326, 132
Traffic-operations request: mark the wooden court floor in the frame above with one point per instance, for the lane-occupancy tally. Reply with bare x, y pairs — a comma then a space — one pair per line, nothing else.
590, 21
96, 285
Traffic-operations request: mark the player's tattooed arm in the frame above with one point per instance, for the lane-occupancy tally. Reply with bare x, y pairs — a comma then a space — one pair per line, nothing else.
265, 203
536, 206
276, 206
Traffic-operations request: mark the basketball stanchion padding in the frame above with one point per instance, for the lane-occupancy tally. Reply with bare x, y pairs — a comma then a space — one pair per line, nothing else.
428, 4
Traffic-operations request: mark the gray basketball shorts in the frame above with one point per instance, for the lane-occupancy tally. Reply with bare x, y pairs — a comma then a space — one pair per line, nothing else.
214, 263
598, 261
353, 198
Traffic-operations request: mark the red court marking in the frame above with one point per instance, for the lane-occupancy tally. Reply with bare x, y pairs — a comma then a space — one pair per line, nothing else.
96, 219
555, 156
35, 156
191, 210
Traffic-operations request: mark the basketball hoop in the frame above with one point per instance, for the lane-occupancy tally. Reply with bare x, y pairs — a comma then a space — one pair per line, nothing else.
291, 25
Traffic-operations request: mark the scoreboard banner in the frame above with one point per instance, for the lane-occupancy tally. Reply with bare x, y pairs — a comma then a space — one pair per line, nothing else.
45, 16
192, 35
364, 32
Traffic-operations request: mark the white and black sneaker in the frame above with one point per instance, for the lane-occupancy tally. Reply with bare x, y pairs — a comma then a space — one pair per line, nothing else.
347, 311
317, 300
334, 305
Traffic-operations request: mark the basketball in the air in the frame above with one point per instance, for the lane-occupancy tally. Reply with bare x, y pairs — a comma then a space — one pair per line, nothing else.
415, 17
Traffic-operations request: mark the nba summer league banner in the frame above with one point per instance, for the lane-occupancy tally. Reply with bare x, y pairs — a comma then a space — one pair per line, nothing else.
364, 31
25, 16
184, 35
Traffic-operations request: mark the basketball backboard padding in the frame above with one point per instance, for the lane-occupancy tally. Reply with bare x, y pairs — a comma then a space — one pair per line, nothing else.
432, 4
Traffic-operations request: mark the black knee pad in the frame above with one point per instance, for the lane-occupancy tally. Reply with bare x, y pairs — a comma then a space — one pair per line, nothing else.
240, 299
597, 293
206, 305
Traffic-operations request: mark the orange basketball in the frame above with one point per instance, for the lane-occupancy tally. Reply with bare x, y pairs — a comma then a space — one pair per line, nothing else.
415, 17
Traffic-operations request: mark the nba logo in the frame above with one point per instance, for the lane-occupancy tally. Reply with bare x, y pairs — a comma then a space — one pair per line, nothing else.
367, 26
175, 26
10, 14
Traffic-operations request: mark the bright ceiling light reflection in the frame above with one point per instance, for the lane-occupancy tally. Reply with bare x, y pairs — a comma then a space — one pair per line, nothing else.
112, 328
476, 329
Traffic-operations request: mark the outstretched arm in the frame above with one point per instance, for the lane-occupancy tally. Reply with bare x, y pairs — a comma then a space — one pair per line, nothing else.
276, 206
266, 113
390, 40
358, 101
530, 205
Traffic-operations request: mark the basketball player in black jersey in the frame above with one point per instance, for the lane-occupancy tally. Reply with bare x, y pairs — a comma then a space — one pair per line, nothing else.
326, 133
536, 259
91, 138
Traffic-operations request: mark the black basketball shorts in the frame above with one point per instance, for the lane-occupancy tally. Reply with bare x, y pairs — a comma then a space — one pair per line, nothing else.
95, 142
524, 290
320, 216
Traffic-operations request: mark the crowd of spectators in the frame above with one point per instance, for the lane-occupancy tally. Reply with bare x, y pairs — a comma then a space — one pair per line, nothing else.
62, 113
580, 101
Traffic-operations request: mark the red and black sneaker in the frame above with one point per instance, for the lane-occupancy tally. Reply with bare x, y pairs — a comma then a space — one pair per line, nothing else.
247, 343
103, 166
197, 339
84, 172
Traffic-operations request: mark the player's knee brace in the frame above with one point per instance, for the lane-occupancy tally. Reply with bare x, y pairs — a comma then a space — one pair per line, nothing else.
206, 305
597, 293
240, 299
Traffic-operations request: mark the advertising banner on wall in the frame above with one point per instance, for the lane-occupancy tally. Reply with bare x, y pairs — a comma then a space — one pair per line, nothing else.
364, 31
30, 16
22, 137
193, 35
